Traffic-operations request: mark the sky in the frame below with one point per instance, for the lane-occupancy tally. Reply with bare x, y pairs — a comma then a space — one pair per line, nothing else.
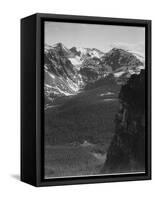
102, 37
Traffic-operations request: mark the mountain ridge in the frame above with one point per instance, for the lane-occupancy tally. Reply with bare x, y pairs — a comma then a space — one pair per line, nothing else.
71, 70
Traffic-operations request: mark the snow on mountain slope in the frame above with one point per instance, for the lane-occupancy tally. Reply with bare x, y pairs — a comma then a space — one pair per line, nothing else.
88, 52
138, 55
76, 61
56, 86
67, 71
61, 76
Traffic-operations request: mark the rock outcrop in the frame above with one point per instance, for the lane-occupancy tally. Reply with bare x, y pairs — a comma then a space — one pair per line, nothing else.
127, 150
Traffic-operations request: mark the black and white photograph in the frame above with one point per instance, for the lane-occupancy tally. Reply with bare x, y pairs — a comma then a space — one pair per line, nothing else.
94, 99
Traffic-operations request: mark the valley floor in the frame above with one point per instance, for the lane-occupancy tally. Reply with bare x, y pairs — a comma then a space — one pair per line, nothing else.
78, 132
73, 160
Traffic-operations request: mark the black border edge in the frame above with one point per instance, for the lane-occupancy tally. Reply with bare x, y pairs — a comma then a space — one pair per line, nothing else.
148, 56
28, 100
39, 136
93, 19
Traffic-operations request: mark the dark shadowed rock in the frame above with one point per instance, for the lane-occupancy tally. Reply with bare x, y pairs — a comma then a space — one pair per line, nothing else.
127, 149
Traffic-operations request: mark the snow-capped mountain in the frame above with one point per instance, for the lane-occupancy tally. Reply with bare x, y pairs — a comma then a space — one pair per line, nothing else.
117, 58
88, 52
81, 54
61, 77
138, 55
69, 70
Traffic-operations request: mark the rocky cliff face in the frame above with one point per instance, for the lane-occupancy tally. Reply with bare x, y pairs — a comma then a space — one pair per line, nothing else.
127, 150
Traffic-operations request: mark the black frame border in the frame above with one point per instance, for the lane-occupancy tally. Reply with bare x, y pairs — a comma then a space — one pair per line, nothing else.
41, 18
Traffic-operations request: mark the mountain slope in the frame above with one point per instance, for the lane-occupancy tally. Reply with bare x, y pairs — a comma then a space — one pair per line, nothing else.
117, 58
67, 71
61, 77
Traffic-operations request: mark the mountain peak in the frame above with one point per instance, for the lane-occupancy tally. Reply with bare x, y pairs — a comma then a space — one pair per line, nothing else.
59, 45
115, 49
